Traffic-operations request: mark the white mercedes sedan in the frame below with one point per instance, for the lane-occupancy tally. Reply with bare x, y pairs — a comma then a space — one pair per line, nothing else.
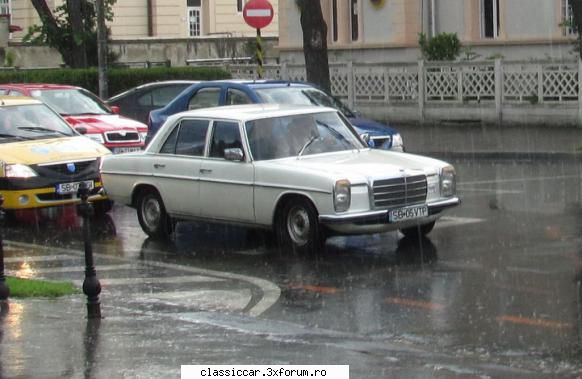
301, 172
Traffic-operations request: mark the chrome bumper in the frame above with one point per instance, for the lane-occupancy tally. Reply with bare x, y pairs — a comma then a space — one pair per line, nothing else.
381, 217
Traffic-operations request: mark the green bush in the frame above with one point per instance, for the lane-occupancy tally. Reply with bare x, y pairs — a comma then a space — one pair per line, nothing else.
120, 79
442, 47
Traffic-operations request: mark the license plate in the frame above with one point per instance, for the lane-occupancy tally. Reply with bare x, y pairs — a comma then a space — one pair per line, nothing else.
67, 188
408, 213
121, 150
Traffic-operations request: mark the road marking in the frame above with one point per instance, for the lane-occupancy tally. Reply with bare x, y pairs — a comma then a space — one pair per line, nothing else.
159, 280
448, 221
31, 258
55, 270
537, 322
415, 303
209, 300
271, 292
315, 288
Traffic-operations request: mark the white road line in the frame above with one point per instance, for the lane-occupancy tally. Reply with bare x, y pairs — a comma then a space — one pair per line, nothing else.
32, 258
56, 270
271, 292
150, 280
448, 221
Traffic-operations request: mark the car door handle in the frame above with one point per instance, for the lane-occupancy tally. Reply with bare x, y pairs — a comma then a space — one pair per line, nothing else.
158, 165
205, 171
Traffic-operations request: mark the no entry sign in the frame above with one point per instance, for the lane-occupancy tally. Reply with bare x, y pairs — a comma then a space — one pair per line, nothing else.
258, 13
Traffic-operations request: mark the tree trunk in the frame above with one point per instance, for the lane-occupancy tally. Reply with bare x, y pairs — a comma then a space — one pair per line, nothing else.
315, 43
79, 49
53, 30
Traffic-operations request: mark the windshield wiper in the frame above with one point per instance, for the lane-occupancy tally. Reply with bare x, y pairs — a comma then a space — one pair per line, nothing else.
40, 129
311, 140
5, 135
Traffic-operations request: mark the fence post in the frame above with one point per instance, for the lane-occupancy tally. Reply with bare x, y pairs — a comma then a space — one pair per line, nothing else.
579, 92
284, 71
460, 84
498, 91
351, 91
540, 84
421, 90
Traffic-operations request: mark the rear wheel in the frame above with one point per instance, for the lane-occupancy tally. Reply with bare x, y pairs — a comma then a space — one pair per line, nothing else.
152, 215
298, 228
418, 230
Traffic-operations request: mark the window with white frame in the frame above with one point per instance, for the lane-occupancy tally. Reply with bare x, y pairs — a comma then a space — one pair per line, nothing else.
568, 27
4, 6
490, 18
194, 18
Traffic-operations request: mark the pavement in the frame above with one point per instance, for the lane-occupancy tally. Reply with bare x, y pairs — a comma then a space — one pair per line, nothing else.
151, 308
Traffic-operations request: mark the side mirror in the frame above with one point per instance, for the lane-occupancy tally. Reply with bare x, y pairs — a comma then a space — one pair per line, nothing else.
81, 130
115, 109
366, 138
234, 154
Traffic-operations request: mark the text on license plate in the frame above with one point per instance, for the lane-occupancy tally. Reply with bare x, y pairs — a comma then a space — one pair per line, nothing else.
66, 188
122, 150
408, 213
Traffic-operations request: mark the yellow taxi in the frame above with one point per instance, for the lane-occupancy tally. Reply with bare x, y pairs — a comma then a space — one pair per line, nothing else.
43, 161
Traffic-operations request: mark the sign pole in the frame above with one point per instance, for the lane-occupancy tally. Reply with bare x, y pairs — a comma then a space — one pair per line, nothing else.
259, 55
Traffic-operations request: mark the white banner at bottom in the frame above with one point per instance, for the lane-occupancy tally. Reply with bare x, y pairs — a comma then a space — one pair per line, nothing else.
265, 371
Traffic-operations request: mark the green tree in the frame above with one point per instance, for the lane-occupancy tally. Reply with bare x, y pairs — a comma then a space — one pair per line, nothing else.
71, 30
442, 47
315, 43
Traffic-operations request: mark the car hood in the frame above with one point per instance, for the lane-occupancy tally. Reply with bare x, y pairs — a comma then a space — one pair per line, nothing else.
105, 123
51, 150
374, 128
361, 166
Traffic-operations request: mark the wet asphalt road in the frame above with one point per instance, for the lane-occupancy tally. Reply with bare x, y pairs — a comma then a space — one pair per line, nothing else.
493, 289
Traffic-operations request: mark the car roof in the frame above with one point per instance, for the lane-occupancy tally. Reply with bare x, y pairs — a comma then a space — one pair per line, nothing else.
17, 100
249, 112
38, 86
151, 84
257, 83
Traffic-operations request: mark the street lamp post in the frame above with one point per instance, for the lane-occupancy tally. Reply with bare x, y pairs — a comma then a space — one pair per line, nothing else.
91, 285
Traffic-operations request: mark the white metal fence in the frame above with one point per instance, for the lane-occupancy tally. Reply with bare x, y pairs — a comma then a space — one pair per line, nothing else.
493, 85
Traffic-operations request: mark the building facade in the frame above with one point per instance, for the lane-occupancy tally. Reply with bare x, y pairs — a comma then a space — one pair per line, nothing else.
135, 19
388, 30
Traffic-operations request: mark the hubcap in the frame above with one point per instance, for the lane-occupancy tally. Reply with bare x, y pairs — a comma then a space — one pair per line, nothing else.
298, 226
151, 213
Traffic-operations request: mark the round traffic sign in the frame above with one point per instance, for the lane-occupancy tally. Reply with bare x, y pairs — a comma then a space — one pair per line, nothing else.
258, 13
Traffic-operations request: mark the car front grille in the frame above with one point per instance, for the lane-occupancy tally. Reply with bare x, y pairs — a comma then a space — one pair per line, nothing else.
381, 142
122, 136
399, 192
69, 170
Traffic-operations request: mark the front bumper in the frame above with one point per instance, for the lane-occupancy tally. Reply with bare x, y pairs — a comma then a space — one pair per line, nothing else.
377, 221
44, 197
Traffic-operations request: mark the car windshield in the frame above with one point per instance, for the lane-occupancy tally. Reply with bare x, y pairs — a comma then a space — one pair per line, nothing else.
72, 102
301, 96
31, 121
297, 135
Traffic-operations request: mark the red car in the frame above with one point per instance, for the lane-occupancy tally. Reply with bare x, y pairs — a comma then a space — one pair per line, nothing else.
88, 114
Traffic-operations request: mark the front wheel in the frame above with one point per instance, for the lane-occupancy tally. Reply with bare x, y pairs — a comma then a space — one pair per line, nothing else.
298, 228
418, 230
152, 216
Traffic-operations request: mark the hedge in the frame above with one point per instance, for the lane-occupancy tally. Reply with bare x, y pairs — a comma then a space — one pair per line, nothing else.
120, 79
